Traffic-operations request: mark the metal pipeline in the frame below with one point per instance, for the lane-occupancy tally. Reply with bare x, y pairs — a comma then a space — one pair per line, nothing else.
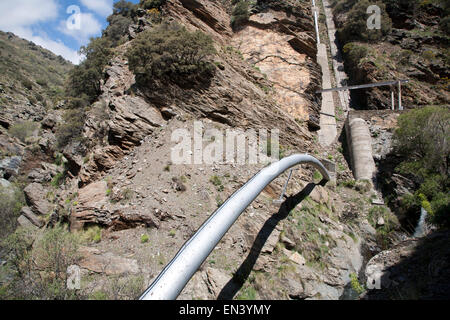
174, 277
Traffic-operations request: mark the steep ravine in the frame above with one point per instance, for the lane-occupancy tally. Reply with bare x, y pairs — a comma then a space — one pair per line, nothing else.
125, 182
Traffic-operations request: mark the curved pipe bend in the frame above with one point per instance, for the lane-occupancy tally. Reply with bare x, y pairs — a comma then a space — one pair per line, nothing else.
174, 277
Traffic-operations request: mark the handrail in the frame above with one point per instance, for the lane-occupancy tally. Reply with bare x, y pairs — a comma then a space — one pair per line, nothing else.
174, 277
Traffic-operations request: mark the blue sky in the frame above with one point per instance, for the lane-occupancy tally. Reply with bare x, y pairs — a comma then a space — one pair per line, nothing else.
61, 26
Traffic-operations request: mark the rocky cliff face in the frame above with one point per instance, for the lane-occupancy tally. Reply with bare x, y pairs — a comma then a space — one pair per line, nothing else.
416, 48
266, 77
269, 83
121, 178
413, 269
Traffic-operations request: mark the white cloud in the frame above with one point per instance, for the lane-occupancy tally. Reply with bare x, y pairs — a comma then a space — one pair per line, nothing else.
101, 7
26, 12
57, 47
89, 26
19, 16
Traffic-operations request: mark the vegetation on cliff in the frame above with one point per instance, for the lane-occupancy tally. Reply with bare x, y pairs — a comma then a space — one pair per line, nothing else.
170, 52
422, 141
411, 44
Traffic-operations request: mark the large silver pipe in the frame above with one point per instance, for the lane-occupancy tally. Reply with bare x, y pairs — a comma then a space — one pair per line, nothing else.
175, 276
316, 22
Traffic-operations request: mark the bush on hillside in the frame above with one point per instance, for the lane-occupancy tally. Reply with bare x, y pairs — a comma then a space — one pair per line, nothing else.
422, 140
353, 54
124, 8
355, 27
38, 267
85, 78
240, 14
170, 52
12, 201
119, 22
117, 28
23, 130
72, 127
27, 83
151, 4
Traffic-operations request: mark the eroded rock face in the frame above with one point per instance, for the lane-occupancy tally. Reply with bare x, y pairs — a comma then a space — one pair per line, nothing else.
94, 207
132, 120
45, 173
208, 16
33, 218
278, 46
91, 207
10, 166
36, 197
413, 269
107, 263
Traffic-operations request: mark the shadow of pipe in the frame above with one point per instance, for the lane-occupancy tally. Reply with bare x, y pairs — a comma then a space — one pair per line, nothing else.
241, 275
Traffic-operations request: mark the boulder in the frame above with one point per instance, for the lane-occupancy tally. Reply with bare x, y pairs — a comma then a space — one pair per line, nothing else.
92, 200
108, 263
45, 173
216, 280
4, 183
36, 197
25, 223
320, 195
132, 120
51, 120
297, 258
10, 166
33, 218
94, 207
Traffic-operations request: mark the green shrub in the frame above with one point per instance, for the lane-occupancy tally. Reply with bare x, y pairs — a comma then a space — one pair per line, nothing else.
91, 234
57, 179
12, 200
317, 176
248, 293
240, 14
71, 128
27, 83
355, 26
144, 238
355, 52
37, 266
422, 136
354, 282
124, 8
84, 79
119, 22
23, 130
216, 181
170, 52
98, 295
421, 139
151, 4
42, 82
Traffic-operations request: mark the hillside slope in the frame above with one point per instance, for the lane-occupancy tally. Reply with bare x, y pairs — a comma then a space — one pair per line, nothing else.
412, 44
130, 207
31, 79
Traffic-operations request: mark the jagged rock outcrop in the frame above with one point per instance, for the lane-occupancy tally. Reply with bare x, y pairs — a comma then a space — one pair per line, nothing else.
412, 269
107, 263
36, 197
282, 46
33, 218
94, 207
